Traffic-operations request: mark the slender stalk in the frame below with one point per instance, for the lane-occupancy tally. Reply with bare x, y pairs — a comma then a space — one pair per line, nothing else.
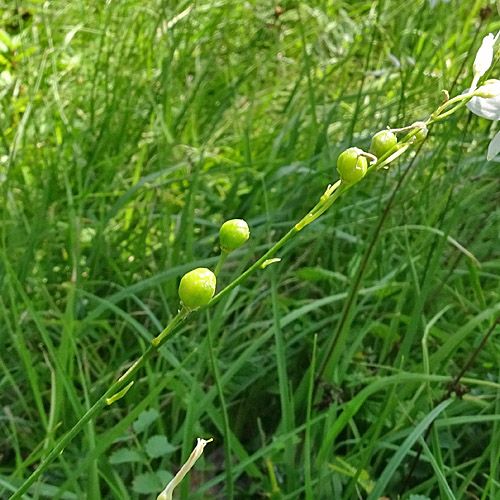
287, 415
307, 439
254, 267
220, 263
100, 404
225, 418
93, 411
167, 333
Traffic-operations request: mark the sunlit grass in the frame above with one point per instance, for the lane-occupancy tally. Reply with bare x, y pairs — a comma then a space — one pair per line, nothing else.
130, 131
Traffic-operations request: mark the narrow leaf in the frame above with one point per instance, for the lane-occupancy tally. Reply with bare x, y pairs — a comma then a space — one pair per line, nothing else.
404, 449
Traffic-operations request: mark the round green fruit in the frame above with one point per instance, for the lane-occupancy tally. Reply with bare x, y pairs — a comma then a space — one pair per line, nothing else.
382, 142
351, 166
197, 287
233, 233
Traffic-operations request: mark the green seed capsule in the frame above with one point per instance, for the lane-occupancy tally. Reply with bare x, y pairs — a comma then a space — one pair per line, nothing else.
351, 166
382, 142
421, 134
233, 233
197, 287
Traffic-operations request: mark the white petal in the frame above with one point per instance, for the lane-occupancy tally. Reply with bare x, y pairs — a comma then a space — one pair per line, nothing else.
494, 147
484, 56
433, 3
485, 108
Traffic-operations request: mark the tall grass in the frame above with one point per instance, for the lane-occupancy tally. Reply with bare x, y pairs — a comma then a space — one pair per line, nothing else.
130, 131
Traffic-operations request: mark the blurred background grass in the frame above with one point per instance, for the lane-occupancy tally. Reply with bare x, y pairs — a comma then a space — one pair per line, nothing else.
129, 132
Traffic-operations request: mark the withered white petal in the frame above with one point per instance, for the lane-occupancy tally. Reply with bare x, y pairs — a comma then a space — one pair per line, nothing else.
166, 494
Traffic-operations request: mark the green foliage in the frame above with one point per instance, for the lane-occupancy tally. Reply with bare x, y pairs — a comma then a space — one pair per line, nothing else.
129, 131
158, 446
146, 418
150, 482
124, 455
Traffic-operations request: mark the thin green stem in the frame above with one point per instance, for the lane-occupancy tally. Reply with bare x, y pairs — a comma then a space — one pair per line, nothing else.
461, 99
254, 267
225, 418
287, 415
93, 411
307, 439
108, 397
220, 263
449, 102
168, 332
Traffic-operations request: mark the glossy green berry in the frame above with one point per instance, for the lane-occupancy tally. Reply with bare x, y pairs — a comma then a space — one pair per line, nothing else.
382, 142
351, 166
233, 233
197, 287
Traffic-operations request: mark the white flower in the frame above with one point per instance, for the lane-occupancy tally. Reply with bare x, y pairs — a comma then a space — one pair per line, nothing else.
488, 108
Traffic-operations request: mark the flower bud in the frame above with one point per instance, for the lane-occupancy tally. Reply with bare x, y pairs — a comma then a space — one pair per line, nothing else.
351, 165
233, 233
197, 287
382, 142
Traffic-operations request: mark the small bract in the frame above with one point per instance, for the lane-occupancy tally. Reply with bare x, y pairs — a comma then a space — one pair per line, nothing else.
382, 142
197, 287
233, 233
351, 166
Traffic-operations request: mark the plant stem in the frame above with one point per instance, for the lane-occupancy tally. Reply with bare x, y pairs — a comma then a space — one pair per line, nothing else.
89, 415
256, 265
222, 259
101, 403
307, 439
168, 330
225, 418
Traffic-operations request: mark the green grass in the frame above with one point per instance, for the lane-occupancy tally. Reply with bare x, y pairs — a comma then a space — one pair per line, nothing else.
130, 131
